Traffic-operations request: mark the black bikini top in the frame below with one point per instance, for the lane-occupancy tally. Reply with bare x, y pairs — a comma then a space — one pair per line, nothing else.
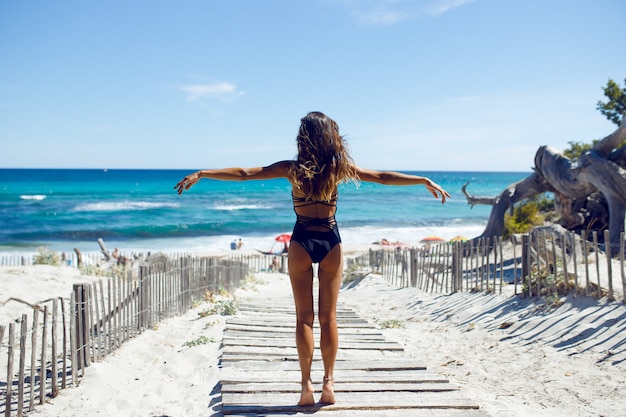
310, 222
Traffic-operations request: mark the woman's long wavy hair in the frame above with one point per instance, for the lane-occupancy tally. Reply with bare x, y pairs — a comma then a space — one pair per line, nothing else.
323, 159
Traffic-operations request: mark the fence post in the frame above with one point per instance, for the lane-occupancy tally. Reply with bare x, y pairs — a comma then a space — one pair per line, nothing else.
564, 257
55, 317
584, 242
499, 238
7, 410
22, 366
597, 253
65, 342
413, 267
185, 265
81, 315
454, 267
33, 359
526, 263
144, 297
608, 251
43, 367
621, 264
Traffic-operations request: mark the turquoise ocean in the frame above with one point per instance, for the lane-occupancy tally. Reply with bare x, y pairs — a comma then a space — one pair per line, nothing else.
139, 210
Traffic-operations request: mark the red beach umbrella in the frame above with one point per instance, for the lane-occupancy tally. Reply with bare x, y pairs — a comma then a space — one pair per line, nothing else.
284, 237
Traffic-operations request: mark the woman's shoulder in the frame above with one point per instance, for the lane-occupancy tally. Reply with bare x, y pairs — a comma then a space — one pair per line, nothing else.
284, 164
284, 167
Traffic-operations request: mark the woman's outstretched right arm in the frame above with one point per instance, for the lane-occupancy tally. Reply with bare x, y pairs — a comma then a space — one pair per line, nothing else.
276, 170
398, 178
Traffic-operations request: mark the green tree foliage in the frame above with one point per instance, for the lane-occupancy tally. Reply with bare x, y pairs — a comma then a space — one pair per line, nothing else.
577, 148
527, 214
616, 104
612, 109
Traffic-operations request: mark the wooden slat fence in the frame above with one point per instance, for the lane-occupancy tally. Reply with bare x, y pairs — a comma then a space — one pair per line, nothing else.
482, 265
50, 350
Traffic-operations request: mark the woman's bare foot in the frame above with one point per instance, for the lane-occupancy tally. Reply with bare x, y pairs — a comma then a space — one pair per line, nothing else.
328, 394
306, 397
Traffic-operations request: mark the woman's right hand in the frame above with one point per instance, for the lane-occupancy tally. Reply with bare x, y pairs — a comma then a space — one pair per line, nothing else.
438, 192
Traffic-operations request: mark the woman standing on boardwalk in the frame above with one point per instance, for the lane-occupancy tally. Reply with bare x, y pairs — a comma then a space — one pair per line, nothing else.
322, 163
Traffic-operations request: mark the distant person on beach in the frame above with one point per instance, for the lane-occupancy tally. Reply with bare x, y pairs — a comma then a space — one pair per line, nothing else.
323, 162
275, 265
233, 244
240, 244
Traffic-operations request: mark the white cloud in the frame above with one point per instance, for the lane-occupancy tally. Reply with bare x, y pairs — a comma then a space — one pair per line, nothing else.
496, 131
439, 7
389, 12
222, 91
381, 16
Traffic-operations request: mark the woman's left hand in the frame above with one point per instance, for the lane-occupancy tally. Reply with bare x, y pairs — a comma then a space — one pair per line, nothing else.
187, 182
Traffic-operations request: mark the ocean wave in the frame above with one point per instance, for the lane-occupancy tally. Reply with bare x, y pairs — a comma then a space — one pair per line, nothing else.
124, 206
232, 204
232, 207
37, 197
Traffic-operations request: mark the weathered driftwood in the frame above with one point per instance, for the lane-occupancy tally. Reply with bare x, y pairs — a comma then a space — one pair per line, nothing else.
589, 194
472, 200
79, 257
518, 191
105, 252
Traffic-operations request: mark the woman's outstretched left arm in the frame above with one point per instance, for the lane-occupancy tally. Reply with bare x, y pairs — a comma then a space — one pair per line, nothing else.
398, 178
276, 170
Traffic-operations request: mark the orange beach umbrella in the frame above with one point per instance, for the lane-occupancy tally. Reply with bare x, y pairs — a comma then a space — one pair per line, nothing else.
432, 239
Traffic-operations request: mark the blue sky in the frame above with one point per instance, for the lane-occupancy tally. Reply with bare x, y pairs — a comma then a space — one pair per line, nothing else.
414, 84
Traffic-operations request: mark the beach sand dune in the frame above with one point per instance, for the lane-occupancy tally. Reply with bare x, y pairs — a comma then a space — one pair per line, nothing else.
513, 355
510, 355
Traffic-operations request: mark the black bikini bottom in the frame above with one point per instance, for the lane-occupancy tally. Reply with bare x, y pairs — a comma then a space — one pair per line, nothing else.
317, 243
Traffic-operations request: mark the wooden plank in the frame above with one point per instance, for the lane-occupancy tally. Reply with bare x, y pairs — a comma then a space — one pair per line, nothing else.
278, 343
236, 376
345, 335
289, 323
344, 387
374, 413
290, 329
374, 377
290, 314
258, 363
258, 403
250, 353
284, 306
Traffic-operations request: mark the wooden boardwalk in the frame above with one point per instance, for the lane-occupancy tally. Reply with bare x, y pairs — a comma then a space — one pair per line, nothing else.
373, 376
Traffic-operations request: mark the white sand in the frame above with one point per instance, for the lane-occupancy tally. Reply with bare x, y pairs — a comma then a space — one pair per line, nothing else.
565, 362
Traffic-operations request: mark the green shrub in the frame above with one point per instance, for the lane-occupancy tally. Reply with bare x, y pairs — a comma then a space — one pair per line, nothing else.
543, 283
202, 340
46, 257
224, 307
95, 270
392, 324
354, 272
527, 214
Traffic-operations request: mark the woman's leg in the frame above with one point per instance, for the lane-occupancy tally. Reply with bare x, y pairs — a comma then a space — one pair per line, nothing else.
330, 273
301, 276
